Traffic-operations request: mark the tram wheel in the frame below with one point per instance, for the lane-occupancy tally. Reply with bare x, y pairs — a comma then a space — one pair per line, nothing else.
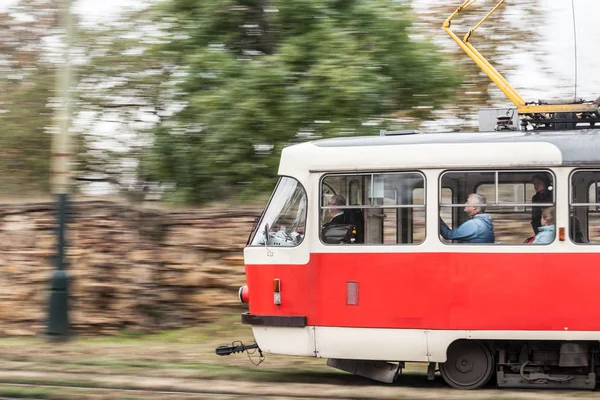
470, 365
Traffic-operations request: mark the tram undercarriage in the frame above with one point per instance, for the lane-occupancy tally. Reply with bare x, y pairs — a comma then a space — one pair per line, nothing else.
516, 364
547, 364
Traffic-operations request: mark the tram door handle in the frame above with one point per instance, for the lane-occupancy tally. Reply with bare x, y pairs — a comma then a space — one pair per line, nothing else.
382, 215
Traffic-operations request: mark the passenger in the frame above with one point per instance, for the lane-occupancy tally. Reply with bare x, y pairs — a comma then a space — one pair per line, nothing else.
337, 213
478, 229
543, 194
547, 231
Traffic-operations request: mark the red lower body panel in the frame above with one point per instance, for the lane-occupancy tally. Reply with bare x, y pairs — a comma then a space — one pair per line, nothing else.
450, 291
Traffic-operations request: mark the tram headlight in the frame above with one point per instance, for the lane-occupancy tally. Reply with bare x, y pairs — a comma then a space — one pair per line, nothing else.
243, 294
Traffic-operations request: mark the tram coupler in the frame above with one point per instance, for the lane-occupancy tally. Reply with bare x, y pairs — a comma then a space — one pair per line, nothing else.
225, 350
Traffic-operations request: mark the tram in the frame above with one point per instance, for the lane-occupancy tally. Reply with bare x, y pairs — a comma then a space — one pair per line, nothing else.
382, 286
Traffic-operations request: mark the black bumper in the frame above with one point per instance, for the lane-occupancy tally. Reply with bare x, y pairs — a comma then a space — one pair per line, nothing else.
273, 320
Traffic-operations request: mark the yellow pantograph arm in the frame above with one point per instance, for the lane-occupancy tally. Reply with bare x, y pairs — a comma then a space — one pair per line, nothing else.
481, 62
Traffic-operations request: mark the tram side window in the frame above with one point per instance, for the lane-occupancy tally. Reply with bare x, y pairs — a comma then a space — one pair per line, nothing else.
373, 208
283, 222
447, 213
515, 200
584, 207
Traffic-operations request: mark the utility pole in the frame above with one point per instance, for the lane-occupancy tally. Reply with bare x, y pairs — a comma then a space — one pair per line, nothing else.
58, 308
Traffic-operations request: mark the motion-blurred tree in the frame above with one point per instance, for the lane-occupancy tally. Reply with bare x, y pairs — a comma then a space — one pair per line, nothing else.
124, 91
260, 74
118, 92
27, 80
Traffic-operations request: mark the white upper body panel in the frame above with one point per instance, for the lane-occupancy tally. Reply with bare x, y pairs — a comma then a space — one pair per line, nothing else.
300, 159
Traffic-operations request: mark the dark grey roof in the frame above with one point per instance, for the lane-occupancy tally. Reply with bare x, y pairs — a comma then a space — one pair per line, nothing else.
577, 147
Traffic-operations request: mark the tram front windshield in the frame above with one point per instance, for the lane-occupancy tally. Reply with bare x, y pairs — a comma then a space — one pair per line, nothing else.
284, 220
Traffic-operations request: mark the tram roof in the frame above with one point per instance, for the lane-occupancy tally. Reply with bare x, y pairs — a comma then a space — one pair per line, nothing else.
445, 150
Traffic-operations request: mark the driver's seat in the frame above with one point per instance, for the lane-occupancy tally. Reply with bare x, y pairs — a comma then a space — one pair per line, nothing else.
355, 216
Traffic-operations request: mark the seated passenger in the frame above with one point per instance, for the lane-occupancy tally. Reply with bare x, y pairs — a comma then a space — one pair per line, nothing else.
478, 229
543, 194
337, 214
547, 231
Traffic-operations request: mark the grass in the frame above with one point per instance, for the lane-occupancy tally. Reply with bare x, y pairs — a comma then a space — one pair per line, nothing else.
185, 358
35, 393
178, 352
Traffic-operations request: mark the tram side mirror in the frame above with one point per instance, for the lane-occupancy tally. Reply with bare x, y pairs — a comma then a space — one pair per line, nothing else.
266, 233
339, 233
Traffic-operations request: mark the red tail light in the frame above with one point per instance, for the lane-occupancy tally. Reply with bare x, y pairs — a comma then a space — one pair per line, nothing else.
244, 295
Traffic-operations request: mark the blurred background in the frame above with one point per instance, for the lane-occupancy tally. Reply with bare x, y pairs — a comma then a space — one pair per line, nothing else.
180, 110
190, 102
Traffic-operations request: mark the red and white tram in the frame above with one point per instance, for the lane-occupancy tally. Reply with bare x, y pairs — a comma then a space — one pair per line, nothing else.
380, 286
384, 287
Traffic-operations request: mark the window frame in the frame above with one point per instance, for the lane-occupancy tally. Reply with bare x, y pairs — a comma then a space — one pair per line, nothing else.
587, 204
496, 203
496, 171
257, 227
366, 207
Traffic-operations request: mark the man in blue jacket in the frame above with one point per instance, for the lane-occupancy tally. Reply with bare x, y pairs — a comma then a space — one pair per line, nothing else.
478, 229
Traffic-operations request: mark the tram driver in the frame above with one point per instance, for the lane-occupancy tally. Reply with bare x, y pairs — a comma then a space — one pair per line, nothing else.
344, 225
337, 214
479, 228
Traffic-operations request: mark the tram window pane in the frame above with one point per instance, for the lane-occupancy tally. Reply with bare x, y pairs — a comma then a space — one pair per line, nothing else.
529, 193
466, 182
418, 224
333, 185
508, 196
487, 190
418, 196
593, 228
446, 213
507, 193
347, 186
584, 222
593, 194
390, 226
355, 195
582, 186
398, 226
446, 196
390, 215
512, 227
512, 193
284, 220
393, 189
584, 225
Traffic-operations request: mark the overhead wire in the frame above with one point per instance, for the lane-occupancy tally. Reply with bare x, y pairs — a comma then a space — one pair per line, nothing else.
575, 47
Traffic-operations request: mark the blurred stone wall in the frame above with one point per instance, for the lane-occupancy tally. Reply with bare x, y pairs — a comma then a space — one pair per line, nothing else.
130, 268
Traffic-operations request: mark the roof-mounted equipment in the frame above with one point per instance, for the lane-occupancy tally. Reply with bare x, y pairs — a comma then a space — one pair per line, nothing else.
540, 114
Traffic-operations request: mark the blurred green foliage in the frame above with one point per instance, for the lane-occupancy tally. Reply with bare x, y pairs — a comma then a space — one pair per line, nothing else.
27, 82
201, 96
259, 75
